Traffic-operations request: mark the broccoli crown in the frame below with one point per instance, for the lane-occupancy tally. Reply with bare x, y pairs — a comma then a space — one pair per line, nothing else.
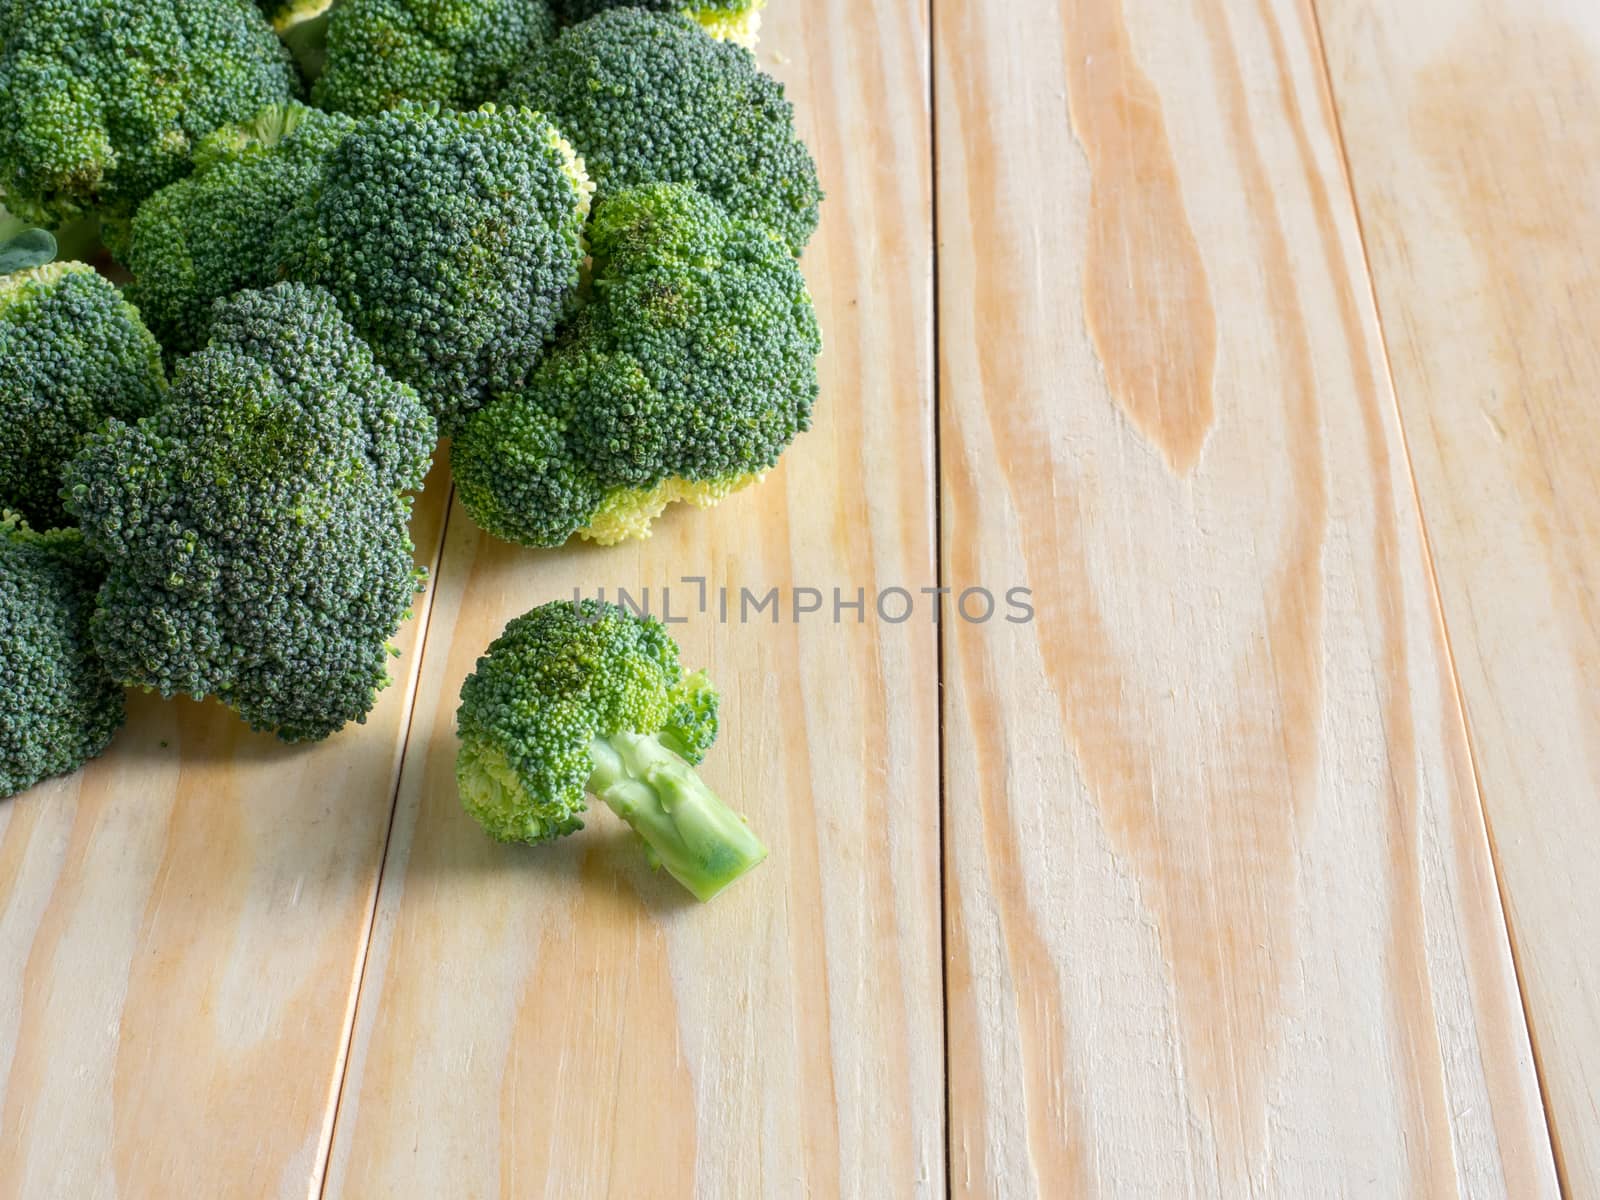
688, 372
72, 353
728, 20
103, 101
58, 706
211, 234
255, 526
453, 242
557, 679
649, 98
381, 53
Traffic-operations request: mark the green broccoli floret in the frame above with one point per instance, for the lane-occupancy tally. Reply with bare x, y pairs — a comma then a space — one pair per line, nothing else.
381, 53
103, 101
453, 242
727, 20
72, 353
212, 233
684, 377
255, 526
650, 98
58, 706
586, 699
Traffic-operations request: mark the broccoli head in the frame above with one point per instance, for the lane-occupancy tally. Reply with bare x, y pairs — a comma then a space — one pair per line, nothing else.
212, 233
453, 242
648, 97
103, 101
72, 353
685, 376
255, 526
380, 53
727, 20
58, 706
586, 699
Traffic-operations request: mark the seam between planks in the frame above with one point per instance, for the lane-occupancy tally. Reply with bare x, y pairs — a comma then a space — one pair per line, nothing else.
1348, 179
318, 1182
940, 581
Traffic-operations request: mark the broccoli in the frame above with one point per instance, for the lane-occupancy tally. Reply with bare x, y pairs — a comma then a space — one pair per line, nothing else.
212, 233
576, 699
103, 101
649, 98
255, 526
727, 20
58, 706
684, 377
453, 242
380, 53
72, 353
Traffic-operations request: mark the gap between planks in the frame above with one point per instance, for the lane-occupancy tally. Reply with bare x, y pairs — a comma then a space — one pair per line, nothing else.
1347, 180
318, 1183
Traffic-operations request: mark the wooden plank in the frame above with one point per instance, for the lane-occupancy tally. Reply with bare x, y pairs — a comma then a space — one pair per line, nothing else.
1220, 910
1474, 148
561, 1022
181, 931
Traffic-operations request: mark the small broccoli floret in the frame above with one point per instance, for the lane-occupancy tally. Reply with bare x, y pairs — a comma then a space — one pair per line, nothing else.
453, 242
381, 53
727, 20
686, 375
649, 98
255, 526
72, 353
103, 101
212, 234
58, 706
586, 699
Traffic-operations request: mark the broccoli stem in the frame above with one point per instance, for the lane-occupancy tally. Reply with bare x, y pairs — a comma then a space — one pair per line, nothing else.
686, 828
308, 42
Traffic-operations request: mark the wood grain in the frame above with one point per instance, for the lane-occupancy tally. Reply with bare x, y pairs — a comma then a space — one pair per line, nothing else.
181, 929
560, 1021
1474, 151
1220, 911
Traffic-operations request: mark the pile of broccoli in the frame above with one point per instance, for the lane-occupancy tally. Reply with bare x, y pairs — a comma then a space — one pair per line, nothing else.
316, 237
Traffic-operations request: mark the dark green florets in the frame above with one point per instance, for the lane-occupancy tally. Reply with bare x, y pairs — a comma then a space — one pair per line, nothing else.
651, 98
102, 102
255, 527
687, 374
453, 242
381, 53
555, 680
212, 234
58, 706
72, 353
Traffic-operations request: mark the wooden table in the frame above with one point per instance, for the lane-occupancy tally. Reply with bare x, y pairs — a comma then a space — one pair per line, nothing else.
1259, 340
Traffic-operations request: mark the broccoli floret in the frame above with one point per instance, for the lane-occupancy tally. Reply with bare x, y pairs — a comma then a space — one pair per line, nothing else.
453, 242
58, 706
381, 53
650, 98
103, 101
727, 20
211, 234
586, 699
684, 377
72, 353
255, 526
